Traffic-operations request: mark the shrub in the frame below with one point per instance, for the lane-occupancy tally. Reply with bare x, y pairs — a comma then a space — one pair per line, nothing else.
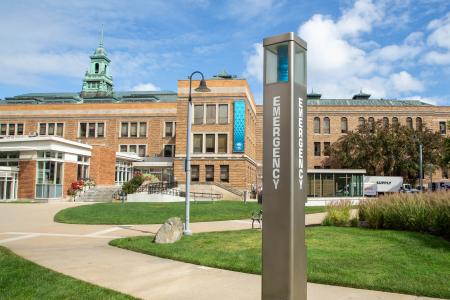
338, 213
131, 186
424, 212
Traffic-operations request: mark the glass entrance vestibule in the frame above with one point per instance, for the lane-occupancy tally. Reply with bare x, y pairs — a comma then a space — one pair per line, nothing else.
324, 183
8, 183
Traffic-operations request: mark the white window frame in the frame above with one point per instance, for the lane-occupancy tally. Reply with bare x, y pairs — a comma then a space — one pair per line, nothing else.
46, 128
173, 149
129, 129
87, 129
228, 113
137, 148
15, 128
216, 143
174, 124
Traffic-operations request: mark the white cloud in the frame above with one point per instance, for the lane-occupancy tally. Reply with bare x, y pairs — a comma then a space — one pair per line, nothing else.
439, 41
248, 9
404, 82
339, 61
146, 87
254, 65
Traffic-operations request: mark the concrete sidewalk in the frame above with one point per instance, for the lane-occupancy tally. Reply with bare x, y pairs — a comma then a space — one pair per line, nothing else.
82, 251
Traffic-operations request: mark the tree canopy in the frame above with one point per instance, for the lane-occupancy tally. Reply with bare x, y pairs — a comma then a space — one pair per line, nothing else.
391, 150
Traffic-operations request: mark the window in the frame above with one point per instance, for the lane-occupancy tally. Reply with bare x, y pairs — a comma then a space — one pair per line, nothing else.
83, 131
49, 175
326, 148
195, 173
198, 114
198, 143
224, 173
409, 122
169, 150
223, 113
442, 128
361, 122
143, 129
316, 148
209, 173
210, 114
133, 129
83, 167
11, 129
326, 125
100, 129
419, 123
10, 159
51, 129
3, 129
91, 130
124, 130
222, 140
344, 125
385, 122
140, 150
316, 125
371, 122
97, 67
395, 122
169, 131
210, 143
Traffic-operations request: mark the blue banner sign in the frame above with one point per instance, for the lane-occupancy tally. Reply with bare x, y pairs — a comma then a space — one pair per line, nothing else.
239, 126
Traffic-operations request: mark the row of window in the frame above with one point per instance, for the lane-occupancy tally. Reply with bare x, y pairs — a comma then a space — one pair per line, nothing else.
371, 123
209, 173
11, 129
141, 150
215, 114
210, 143
51, 129
318, 149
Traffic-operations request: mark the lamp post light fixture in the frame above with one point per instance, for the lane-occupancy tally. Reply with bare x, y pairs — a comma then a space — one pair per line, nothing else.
202, 88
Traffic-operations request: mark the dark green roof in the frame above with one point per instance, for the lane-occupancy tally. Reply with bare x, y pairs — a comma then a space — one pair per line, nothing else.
116, 97
366, 102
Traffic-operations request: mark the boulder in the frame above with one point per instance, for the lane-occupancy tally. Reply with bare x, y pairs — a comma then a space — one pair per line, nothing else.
170, 232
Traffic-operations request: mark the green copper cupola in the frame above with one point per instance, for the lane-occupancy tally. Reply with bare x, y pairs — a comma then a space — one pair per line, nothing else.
97, 82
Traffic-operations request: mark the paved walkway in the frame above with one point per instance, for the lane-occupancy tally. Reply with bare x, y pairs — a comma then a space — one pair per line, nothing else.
82, 251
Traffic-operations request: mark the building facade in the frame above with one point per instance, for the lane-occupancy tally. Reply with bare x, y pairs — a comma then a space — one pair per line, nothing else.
49, 140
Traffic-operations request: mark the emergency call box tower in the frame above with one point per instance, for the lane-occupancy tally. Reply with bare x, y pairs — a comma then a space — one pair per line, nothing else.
284, 169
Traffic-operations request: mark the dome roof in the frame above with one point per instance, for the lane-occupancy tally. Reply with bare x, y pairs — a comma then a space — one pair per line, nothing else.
100, 51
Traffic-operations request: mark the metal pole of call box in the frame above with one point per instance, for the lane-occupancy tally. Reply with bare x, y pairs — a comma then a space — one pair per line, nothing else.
284, 168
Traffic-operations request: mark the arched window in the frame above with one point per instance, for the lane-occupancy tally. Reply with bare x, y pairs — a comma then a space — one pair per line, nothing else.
316, 125
326, 125
419, 123
97, 67
385, 122
361, 121
344, 125
409, 123
371, 122
394, 122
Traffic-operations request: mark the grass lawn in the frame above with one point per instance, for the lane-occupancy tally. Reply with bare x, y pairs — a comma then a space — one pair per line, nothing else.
22, 279
157, 213
395, 261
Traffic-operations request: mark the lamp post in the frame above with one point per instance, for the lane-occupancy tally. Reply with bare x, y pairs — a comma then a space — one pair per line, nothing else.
187, 163
421, 168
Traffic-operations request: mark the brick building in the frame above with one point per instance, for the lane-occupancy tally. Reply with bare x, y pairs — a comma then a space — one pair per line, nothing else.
49, 140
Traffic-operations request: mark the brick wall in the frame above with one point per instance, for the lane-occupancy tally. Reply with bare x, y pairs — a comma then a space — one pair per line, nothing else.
102, 167
70, 175
27, 180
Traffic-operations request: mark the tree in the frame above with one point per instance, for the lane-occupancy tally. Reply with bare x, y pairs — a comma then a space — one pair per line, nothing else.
390, 151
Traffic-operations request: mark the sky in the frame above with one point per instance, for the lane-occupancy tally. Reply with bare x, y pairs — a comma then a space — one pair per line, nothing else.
396, 49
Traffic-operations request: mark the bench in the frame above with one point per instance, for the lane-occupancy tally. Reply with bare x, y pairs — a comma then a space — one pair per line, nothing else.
257, 216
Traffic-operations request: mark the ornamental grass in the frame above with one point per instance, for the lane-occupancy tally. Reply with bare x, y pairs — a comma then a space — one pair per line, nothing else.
338, 213
423, 212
